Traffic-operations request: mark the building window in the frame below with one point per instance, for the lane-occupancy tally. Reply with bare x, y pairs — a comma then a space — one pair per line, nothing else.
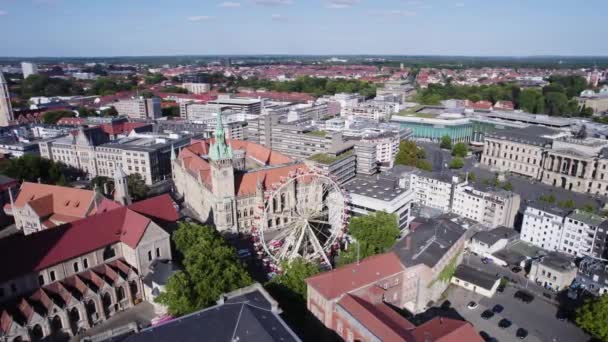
149, 255
108, 253
52, 275
41, 280
85, 263
158, 252
76, 267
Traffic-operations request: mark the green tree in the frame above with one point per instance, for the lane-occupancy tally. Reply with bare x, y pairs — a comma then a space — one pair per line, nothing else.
528, 100
138, 189
472, 176
460, 150
423, 164
101, 183
550, 199
589, 207
456, 163
43, 85
293, 276
31, 168
172, 111
592, 317
507, 186
211, 268
408, 153
446, 142
374, 234
109, 112
84, 112
154, 78
556, 103
53, 116
567, 204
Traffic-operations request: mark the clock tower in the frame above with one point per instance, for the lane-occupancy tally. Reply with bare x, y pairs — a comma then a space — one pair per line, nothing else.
222, 179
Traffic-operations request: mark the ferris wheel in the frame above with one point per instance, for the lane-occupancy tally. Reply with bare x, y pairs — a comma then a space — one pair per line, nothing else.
305, 215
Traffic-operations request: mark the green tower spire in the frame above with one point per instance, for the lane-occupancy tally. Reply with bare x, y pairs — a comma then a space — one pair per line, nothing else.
219, 149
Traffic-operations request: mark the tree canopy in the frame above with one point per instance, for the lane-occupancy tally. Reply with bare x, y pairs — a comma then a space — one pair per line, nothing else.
375, 233
138, 189
108, 86
411, 155
446, 142
172, 111
30, 168
43, 85
154, 78
211, 268
592, 317
456, 163
313, 85
53, 116
460, 150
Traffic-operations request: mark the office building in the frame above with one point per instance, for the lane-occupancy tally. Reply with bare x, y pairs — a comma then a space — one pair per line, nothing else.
197, 88
239, 104
141, 108
6, 108
146, 154
486, 204
384, 192
543, 225
28, 69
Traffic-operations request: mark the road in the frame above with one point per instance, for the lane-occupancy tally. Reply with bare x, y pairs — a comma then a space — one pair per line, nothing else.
537, 317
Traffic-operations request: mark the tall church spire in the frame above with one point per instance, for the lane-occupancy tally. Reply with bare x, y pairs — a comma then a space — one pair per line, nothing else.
219, 149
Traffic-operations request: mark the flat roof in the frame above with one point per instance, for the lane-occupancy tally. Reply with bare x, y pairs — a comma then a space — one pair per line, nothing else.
476, 277
383, 188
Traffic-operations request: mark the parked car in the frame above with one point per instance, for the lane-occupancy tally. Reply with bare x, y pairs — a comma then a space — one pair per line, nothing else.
485, 260
487, 314
497, 308
501, 288
521, 333
486, 337
516, 269
504, 323
243, 253
472, 305
524, 296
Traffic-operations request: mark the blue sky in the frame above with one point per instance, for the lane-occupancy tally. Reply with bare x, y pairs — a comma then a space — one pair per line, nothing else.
405, 27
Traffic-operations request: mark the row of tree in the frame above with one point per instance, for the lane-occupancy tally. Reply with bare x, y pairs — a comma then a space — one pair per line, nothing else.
31, 168
556, 98
313, 85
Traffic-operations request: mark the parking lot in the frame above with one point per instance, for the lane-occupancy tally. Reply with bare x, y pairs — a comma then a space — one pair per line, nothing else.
537, 317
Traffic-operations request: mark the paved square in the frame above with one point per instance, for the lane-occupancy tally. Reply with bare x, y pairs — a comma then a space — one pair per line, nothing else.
537, 317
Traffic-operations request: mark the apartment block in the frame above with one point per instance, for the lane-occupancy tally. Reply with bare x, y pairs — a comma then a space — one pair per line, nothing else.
139, 108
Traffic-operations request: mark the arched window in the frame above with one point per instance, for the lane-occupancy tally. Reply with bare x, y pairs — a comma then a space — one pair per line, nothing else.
76, 268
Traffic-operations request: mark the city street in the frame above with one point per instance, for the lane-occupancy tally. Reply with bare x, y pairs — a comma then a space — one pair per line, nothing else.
537, 317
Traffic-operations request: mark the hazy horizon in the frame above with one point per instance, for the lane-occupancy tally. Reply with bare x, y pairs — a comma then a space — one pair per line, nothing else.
460, 28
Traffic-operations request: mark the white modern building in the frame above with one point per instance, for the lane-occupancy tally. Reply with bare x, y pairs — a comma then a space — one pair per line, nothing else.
197, 88
28, 69
487, 242
580, 234
543, 226
140, 108
385, 192
490, 206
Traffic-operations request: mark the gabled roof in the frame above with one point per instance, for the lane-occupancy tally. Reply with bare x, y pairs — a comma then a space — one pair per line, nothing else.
353, 276
47, 199
159, 207
385, 324
440, 329
52, 246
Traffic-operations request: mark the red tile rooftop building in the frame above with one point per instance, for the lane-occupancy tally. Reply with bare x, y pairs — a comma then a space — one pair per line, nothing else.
353, 301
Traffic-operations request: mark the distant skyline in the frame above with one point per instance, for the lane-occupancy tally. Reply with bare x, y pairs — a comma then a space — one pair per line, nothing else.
79, 28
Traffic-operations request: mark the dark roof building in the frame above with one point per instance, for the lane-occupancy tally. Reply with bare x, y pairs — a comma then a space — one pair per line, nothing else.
247, 314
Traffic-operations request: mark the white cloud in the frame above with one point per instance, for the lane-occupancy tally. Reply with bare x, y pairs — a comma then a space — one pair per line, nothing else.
199, 18
230, 4
396, 13
341, 4
3, 13
272, 3
278, 17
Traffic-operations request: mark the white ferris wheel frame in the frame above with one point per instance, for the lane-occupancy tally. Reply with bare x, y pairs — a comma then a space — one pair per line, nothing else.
306, 233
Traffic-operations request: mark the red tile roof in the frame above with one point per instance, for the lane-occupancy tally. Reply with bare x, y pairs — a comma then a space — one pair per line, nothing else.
45, 200
380, 319
353, 276
159, 207
53, 246
121, 127
440, 329
244, 183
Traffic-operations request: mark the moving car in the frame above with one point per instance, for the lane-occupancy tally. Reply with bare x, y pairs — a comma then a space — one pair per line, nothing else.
524, 296
521, 333
497, 308
504, 323
472, 305
487, 314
